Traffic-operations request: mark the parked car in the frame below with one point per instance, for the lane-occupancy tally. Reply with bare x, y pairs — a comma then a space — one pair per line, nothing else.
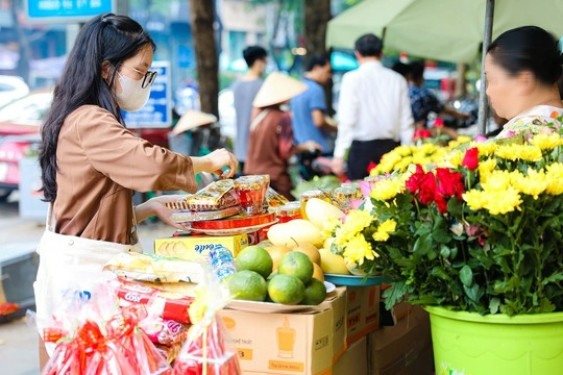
11, 88
20, 121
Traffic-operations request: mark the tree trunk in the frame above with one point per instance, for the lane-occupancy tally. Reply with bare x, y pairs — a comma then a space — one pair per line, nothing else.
202, 18
317, 15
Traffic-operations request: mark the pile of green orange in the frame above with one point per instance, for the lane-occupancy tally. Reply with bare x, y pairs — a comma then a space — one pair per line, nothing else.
291, 283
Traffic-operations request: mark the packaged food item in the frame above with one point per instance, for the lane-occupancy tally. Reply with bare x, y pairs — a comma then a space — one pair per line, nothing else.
345, 194
169, 352
275, 199
251, 192
165, 305
236, 222
156, 268
192, 216
215, 196
164, 331
289, 211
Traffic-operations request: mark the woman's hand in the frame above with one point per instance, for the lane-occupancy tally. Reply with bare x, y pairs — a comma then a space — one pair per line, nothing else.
309, 146
157, 206
215, 162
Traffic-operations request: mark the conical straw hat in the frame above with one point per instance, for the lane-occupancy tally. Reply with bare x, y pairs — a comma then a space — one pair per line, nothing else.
192, 119
276, 89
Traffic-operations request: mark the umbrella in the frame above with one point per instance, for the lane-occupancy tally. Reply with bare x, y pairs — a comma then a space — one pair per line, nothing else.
448, 30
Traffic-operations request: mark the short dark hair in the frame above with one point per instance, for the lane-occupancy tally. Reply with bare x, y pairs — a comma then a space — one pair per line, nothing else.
253, 53
319, 59
416, 69
369, 45
528, 48
401, 68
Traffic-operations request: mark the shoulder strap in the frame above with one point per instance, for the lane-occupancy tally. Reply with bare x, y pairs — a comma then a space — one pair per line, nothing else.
258, 119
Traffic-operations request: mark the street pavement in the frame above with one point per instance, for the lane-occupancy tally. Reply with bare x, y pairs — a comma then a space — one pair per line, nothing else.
18, 342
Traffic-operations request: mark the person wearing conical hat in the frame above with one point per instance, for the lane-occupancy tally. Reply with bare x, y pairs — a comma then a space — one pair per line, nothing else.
271, 141
193, 119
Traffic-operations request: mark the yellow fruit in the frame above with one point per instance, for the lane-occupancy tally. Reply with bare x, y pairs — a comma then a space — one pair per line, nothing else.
254, 258
276, 252
286, 289
318, 272
247, 285
294, 232
315, 293
296, 264
333, 263
310, 250
319, 211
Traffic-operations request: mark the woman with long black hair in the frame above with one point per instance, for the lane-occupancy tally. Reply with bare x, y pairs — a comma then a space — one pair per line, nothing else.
91, 163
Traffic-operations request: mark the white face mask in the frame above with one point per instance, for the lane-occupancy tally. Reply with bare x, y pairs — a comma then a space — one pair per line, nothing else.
132, 96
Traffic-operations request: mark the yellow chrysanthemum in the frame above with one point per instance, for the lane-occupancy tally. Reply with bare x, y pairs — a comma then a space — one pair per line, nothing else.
356, 221
358, 249
554, 177
387, 189
329, 226
486, 148
523, 152
403, 164
497, 181
463, 139
476, 199
383, 230
546, 141
486, 167
533, 184
427, 148
503, 202
453, 159
403, 150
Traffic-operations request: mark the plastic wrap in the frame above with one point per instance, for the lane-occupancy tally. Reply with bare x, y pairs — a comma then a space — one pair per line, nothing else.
215, 196
155, 268
205, 351
194, 216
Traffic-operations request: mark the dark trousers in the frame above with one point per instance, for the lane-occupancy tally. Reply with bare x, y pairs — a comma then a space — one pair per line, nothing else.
363, 152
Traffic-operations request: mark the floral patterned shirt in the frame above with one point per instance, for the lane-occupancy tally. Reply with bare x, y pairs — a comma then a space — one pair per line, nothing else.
533, 121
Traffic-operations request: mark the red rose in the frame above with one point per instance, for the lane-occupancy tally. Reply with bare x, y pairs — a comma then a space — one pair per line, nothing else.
450, 183
428, 188
371, 166
441, 203
413, 183
421, 134
471, 158
438, 123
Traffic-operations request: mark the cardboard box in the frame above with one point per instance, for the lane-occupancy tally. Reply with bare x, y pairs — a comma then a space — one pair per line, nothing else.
294, 343
338, 305
353, 361
405, 348
188, 247
362, 312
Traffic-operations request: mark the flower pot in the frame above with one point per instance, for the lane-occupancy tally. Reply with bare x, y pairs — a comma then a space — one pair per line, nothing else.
472, 344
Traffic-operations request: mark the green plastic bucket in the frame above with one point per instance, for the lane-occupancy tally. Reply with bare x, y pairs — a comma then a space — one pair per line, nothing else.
470, 344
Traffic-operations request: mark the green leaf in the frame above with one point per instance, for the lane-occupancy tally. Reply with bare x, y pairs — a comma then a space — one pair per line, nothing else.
494, 304
466, 275
445, 252
440, 273
558, 276
395, 294
422, 245
474, 293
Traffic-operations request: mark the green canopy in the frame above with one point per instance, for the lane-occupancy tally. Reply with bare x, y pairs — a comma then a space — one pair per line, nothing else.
448, 30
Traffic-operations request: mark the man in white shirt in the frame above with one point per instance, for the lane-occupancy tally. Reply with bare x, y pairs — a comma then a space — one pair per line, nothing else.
374, 112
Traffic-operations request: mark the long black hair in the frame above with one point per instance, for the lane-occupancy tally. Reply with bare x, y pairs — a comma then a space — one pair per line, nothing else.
106, 37
528, 48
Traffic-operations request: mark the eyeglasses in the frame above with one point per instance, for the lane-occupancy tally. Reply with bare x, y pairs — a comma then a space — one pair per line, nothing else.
148, 77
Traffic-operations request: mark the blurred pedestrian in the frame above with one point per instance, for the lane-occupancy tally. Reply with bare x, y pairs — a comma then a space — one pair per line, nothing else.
423, 101
310, 114
244, 91
271, 141
374, 113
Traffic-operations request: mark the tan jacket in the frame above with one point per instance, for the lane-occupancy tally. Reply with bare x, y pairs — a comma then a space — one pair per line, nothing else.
99, 164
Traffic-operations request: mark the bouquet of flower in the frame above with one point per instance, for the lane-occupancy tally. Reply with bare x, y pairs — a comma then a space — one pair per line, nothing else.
476, 229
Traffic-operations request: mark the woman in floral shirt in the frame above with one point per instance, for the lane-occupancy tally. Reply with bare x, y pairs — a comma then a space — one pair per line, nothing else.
522, 67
